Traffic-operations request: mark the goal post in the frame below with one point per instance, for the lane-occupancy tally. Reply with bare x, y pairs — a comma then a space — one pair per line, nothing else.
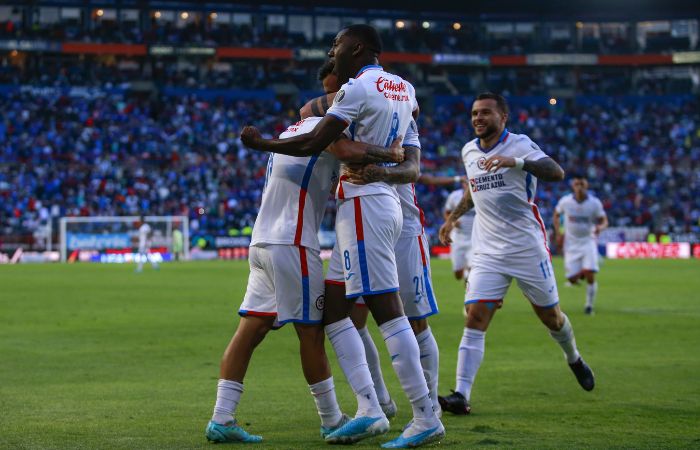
119, 233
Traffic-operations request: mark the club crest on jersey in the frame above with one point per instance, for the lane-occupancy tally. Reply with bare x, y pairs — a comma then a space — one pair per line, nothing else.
481, 163
320, 302
339, 96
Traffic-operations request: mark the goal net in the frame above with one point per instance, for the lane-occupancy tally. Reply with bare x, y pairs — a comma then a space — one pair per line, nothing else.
116, 238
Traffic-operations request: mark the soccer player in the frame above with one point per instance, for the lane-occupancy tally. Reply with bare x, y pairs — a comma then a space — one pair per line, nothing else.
509, 241
286, 277
412, 258
376, 107
461, 236
178, 244
584, 219
145, 235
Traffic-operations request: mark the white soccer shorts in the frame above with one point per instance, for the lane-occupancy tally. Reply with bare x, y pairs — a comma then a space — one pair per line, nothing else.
285, 281
461, 255
367, 229
580, 258
415, 280
491, 275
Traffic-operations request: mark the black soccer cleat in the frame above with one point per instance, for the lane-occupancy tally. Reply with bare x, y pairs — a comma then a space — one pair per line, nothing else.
455, 403
584, 374
588, 310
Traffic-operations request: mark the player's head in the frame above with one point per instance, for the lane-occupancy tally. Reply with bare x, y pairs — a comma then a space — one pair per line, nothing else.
489, 115
579, 184
328, 77
353, 48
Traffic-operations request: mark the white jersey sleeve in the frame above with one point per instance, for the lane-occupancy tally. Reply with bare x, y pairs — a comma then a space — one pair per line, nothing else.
411, 138
348, 102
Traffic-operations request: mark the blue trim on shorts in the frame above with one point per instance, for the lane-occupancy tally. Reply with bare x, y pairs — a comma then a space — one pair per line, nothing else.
548, 306
305, 301
429, 289
368, 292
362, 256
431, 313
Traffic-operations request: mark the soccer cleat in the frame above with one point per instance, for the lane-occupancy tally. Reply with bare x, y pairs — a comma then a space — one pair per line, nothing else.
455, 403
389, 408
325, 431
359, 428
418, 439
584, 374
229, 432
588, 310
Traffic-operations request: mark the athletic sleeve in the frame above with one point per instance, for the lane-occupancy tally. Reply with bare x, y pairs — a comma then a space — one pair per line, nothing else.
529, 151
600, 211
348, 102
411, 138
560, 206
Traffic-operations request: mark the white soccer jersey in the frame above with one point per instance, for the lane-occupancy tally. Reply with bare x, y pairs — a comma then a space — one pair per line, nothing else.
378, 107
463, 231
144, 236
412, 214
580, 219
295, 195
507, 220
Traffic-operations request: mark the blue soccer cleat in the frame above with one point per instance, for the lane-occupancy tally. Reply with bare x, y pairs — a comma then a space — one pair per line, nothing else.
325, 431
359, 428
417, 440
229, 432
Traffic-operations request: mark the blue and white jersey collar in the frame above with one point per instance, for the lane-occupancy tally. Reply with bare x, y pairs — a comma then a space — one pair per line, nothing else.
501, 140
369, 67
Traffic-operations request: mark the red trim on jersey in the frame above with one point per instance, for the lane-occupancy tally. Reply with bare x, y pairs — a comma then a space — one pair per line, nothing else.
415, 202
358, 220
300, 217
302, 260
422, 251
341, 194
334, 282
536, 212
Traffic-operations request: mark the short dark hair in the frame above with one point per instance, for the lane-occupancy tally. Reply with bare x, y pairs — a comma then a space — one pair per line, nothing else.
579, 176
500, 101
325, 70
368, 35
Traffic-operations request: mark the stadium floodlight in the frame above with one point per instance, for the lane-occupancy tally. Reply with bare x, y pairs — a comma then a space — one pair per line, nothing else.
99, 234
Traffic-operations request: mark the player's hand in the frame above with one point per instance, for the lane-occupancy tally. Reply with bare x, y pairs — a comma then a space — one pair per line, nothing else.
250, 136
497, 162
560, 242
445, 231
370, 173
597, 230
397, 152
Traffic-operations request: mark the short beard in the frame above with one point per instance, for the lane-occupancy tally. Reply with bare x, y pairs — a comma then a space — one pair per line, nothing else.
489, 132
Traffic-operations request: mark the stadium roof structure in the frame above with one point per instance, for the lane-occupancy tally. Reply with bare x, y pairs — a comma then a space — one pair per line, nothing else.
476, 10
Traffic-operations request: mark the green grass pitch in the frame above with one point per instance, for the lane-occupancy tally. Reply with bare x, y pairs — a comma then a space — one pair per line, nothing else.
97, 356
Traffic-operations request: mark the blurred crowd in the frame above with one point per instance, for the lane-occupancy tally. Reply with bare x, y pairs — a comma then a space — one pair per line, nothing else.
126, 155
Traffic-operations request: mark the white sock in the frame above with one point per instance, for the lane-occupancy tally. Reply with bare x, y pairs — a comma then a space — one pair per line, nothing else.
228, 394
430, 361
374, 366
469, 357
591, 291
405, 358
567, 341
326, 403
350, 352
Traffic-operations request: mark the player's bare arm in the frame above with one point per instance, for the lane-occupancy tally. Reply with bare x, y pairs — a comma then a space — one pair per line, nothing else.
406, 172
360, 153
318, 107
601, 225
307, 144
545, 169
464, 205
436, 180
559, 236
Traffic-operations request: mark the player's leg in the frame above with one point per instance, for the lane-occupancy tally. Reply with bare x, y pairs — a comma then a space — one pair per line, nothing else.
573, 265
590, 268
359, 315
535, 276
458, 257
485, 292
419, 303
258, 312
142, 256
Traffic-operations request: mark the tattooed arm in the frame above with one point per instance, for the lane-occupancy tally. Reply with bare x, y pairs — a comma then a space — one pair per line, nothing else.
406, 172
360, 153
463, 206
317, 107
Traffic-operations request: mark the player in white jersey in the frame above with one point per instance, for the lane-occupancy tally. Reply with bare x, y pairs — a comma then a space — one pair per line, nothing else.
461, 236
412, 258
584, 219
509, 241
145, 235
376, 107
286, 279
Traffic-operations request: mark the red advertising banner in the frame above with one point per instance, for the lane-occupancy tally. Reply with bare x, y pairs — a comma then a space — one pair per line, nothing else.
103, 49
696, 250
644, 250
